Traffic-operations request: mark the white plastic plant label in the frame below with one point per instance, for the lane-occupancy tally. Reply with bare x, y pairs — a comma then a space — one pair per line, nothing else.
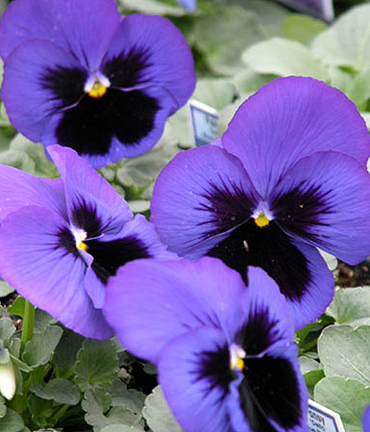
204, 121
322, 419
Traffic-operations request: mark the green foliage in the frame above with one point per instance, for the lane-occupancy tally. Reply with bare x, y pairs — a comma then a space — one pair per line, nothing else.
157, 413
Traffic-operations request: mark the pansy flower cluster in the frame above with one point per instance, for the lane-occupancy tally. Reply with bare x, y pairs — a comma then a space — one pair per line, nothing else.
212, 289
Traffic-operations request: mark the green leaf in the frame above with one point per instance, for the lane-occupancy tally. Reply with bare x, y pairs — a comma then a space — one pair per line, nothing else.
130, 399
42, 320
142, 170
249, 81
351, 306
347, 41
40, 348
67, 349
7, 330
59, 390
215, 92
157, 413
2, 407
122, 428
12, 422
283, 57
17, 308
223, 36
40, 410
302, 28
152, 7
5, 289
347, 397
345, 351
97, 364
96, 405
359, 92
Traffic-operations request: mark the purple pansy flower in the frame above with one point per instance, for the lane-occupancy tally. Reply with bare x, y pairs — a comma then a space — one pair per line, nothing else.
289, 177
366, 420
93, 80
61, 240
225, 354
190, 5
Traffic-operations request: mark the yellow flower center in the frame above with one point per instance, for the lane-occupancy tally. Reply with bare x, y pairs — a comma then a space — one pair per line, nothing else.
83, 246
261, 221
237, 355
97, 91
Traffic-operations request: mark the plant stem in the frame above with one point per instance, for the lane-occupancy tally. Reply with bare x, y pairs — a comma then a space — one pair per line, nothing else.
28, 323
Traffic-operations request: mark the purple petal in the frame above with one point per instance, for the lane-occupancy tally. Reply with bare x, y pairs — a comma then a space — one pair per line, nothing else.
19, 189
190, 5
126, 124
318, 291
198, 198
155, 54
272, 394
35, 260
89, 196
291, 118
366, 420
75, 25
137, 239
308, 203
164, 299
31, 83
201, 405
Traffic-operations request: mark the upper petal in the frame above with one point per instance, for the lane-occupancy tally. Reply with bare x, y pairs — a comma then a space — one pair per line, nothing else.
308, 203
93, 205
291, 118
199, 197
52, 80
19, 189
163, 299
149, 51
36, 259
82, 27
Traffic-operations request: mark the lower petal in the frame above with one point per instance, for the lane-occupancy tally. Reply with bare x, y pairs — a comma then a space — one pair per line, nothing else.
35, 261
198, 364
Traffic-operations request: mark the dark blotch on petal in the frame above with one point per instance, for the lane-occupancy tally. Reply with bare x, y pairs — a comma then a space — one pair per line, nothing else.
272, 250
299, 209
270, 390
67, 243
214, 366
90, 126
127, 69
227, 208
258, 333
67, 85
84, 216
109, 256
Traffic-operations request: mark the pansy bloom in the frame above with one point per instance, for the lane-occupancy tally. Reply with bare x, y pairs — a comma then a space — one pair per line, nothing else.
93, 80
287, 177
225, 354
366, 420
61, 240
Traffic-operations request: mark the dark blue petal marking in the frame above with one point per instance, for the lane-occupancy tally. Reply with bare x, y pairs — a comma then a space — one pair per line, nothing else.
90, 126
270, 390
272, 250
299, 209
258, 333
67, 85
214, 366
126, 69
109, 256
227, 208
